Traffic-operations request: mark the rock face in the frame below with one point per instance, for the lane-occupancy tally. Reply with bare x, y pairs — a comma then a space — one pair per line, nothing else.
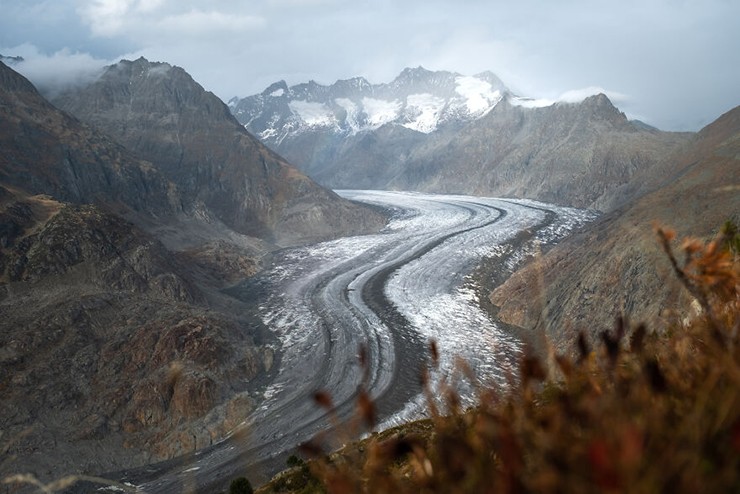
109, 354
616, 266
159, 112
442, 132
46, 151
578, 154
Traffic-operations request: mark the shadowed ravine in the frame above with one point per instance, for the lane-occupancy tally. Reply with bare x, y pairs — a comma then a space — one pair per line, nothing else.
389, 293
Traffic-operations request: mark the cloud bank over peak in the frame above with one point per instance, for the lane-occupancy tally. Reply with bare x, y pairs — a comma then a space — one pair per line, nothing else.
571, 96
54, 73
659, 52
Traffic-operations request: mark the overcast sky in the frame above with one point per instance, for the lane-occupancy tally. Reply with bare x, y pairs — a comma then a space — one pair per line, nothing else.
672, 63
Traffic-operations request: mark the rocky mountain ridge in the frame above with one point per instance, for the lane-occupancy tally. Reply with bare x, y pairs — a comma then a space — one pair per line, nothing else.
616, 267
46, 151
579, 154
418, 99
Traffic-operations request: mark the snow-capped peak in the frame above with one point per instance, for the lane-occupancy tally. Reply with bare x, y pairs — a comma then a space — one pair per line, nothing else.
418, 99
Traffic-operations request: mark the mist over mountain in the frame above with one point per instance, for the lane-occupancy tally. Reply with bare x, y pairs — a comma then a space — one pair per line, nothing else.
444, 132
10, 60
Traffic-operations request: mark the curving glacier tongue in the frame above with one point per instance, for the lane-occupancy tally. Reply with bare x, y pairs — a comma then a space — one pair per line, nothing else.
389, 293
427, 252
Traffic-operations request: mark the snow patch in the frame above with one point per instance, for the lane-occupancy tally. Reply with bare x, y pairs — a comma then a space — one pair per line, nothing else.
380, 112
313, 114
426, 108
479, 95
352, 121
278, 92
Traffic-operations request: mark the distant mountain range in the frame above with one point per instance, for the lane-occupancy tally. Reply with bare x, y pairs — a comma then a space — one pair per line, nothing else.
445, 132
417, 99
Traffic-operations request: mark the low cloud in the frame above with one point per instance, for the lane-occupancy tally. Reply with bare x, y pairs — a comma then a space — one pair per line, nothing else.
676, 60
52, 74
154, 21
571, 96
578, 95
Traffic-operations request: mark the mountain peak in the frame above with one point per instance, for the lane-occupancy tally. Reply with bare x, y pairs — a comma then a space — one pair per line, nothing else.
414, 72
601, 104
420, 75
599, 99
11, 60
279, 88
193, 140
418, 99
142, 66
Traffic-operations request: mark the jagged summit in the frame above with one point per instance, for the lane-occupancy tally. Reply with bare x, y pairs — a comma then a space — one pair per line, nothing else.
417, 99
279, 88
413, 74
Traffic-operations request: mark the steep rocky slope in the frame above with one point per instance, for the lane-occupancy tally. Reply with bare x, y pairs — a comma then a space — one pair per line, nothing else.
159, 112
110, 355
580, 154
114, 350
45, 151
616, 266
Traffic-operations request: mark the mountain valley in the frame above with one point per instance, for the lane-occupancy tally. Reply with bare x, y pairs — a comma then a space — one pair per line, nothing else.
171, 265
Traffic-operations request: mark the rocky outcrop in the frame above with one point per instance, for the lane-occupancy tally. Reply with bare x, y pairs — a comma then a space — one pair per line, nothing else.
84, 243
110, 356
616, 267
159, 112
